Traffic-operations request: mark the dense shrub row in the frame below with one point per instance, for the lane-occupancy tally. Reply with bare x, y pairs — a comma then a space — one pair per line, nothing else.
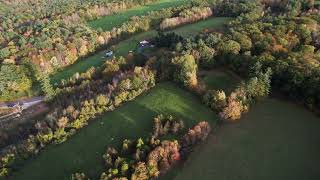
150, 157
187, 16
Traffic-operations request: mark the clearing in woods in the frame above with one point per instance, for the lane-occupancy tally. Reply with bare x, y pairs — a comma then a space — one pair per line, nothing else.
106, 23
123, 47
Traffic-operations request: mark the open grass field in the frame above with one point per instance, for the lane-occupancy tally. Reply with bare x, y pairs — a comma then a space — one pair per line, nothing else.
275, 140
83, 152
106, 23
122, 48
214, 23
220, 79
96, 60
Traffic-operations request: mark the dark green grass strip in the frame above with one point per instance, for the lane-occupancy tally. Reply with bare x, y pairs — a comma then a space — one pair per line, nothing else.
221, 79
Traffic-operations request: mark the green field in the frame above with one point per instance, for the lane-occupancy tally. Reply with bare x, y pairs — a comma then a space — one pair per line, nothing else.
96, 60
275, 140
83, 152
220, 79
215, 23
106, 23
122, 48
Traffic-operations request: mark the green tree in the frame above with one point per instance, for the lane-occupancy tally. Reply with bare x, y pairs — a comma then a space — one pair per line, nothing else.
215, 99
47, 87
244, 41
4, 53
14, 82
229, 47
140, 172
186, 70
79, 176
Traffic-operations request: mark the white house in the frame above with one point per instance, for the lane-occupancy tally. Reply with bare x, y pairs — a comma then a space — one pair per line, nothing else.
108, 53
144, 43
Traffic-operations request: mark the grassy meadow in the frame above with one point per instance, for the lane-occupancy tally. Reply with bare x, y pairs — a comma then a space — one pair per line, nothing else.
83, 152
96, 60
106, 23
276, 140
214, 23
220, 79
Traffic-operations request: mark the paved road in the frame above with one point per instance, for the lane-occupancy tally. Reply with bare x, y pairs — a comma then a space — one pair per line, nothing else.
18, 107
25, 102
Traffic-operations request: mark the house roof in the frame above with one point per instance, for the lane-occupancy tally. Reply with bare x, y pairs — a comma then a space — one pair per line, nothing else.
144, 42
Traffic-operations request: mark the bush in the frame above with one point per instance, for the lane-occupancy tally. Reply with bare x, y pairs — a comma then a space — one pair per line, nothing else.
79, 176
215, 99
5, 163
239, 100
186, 16
14, 82
164, 125
185, 71
234, 108
196, 134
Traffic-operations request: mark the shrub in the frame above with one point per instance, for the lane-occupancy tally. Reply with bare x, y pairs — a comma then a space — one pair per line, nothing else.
196, 134
215, 99
79, 176
185, 71
5, 164
164, 125
186, 16
140, 172
234, 109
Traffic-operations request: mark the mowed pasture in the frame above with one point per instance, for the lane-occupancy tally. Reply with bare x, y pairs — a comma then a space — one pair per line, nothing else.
276, 140
210, 24
123, 47
83, 152
106, 23
220, 79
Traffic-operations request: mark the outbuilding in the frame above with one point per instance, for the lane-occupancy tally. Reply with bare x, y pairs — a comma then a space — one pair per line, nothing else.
109, 54
144, 43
